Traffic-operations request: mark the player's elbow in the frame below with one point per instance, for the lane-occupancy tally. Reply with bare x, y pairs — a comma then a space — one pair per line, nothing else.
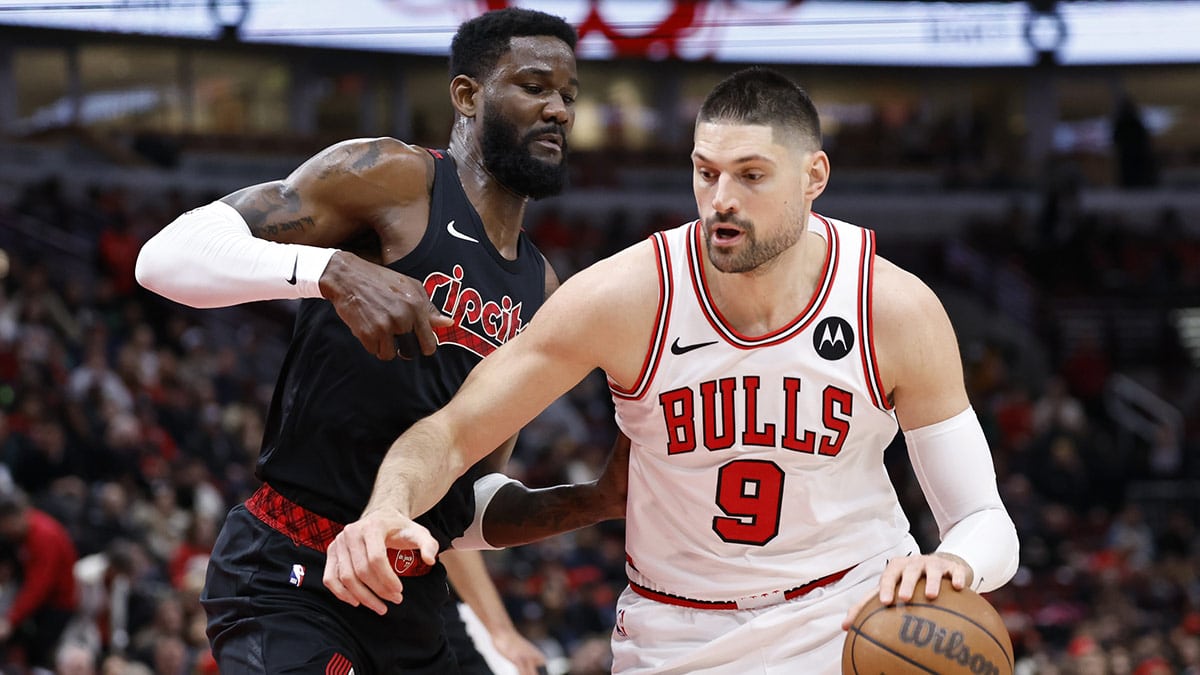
162, 270
146, 269
1010, 544
987, 540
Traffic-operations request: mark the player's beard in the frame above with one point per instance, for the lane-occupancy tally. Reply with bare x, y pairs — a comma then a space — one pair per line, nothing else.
507, 156
751, 254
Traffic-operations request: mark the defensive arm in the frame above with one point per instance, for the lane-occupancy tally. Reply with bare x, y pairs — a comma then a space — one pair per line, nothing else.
276, 240
600, 318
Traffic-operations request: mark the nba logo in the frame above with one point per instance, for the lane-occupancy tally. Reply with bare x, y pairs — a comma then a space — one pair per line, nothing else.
297, 575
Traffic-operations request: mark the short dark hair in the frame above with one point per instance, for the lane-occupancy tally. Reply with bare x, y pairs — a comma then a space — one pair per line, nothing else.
763, 96
480, 42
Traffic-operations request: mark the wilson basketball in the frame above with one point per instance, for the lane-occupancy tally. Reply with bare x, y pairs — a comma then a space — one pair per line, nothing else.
959, 632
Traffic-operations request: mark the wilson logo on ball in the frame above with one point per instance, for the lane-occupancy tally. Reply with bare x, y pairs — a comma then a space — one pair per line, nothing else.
927, 634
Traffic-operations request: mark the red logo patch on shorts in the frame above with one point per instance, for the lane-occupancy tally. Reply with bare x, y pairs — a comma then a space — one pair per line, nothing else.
408, 563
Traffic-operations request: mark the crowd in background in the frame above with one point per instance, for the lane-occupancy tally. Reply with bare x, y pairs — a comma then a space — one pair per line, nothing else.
134, 424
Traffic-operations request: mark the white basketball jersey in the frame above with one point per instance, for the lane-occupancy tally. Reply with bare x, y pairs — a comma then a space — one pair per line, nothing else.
757, 461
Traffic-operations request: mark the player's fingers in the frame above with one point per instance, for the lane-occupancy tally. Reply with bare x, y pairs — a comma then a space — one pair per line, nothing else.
372, 577
908, 581
339, 578
408, 535
331, 581
365, 595
933, 582
381, 347
438, 319
407, 346
888, 581
423, 329
958, 577
429, 548
380, 575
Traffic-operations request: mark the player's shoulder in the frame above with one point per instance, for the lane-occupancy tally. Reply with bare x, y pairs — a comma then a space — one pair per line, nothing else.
368, 157
899, 297
625, 275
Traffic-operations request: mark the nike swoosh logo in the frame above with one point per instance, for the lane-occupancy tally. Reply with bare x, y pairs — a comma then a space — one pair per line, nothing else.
678, 349
455, 233
295, 263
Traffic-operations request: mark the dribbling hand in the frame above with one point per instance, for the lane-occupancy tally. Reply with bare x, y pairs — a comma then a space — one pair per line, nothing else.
358, 569
901, 576
378, 304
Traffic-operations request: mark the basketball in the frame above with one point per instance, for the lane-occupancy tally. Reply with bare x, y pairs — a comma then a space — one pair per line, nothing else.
959, 632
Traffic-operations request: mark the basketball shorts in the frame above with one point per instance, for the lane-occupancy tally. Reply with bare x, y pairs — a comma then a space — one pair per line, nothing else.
269, 612
802, 635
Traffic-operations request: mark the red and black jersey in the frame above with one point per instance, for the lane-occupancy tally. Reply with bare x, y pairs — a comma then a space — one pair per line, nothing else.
337, 408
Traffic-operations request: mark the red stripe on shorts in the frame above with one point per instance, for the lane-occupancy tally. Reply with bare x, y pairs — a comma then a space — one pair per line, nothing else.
317, 532
338, 665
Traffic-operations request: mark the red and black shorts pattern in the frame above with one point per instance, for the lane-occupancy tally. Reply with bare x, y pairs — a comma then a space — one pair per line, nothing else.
269, 612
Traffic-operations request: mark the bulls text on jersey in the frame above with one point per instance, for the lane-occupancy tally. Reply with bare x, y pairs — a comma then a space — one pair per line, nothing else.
718, 419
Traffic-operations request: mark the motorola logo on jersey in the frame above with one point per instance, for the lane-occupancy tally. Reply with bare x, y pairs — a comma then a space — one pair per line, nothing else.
833, 338
480, 325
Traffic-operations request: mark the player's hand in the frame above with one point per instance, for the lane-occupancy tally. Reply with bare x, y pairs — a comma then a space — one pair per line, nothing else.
359, 571
520, 652
378, 304
902, 575
613, 484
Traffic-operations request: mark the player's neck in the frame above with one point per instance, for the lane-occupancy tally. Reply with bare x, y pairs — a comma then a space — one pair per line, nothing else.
771, 296
501, 209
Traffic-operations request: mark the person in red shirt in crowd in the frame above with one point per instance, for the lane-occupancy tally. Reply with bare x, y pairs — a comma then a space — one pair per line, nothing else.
45, 600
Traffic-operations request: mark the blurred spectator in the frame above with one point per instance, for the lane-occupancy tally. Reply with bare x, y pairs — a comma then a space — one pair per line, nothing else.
1057, 410
118, 249
1137, 166
45, 600
75, 659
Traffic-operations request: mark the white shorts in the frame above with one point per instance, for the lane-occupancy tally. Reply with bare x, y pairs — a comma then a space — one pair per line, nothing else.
803, 635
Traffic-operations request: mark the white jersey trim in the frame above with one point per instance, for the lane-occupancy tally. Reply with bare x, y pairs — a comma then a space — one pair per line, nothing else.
731, 335
653, 357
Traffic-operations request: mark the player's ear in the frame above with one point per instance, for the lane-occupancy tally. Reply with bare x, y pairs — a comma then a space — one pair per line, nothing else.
818, 174
464, 97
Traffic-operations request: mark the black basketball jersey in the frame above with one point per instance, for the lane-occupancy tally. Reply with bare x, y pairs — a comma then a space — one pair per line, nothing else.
337, 408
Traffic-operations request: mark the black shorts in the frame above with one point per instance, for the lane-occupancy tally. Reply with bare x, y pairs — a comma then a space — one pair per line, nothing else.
269, 612
466, 652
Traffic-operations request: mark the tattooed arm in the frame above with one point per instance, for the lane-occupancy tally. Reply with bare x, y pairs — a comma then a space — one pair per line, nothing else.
320, 232
364, 195
518, 515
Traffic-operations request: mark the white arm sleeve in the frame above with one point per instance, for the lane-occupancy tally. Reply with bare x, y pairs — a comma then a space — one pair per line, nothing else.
485, 488
954, 467
208, 257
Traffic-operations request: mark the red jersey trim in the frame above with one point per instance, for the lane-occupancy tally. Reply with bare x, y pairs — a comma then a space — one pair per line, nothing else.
662, 252
788, 331
681, 601
866, 328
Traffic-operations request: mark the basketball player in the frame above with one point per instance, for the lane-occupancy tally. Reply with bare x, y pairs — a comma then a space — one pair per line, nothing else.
760, 360
381, 239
